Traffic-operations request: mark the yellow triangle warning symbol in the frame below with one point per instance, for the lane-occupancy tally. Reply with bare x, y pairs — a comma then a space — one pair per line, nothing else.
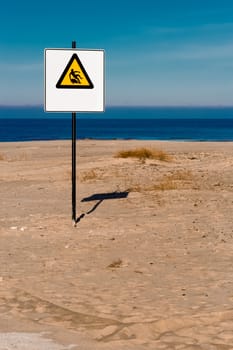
74, 76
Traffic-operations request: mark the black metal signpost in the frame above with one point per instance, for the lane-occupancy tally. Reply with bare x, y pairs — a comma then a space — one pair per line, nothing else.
74, 159
74, 76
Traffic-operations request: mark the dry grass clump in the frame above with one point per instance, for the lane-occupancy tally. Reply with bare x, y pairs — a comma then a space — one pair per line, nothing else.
19, 157
116, 264
15, 157
135, 188
144, 153
165, 185
89, 175
179, 179
181, 175
2, 157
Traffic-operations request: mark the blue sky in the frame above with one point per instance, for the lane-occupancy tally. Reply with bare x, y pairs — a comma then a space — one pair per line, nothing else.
158, 52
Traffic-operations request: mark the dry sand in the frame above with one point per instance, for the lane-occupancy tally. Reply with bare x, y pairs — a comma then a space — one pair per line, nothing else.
150, 270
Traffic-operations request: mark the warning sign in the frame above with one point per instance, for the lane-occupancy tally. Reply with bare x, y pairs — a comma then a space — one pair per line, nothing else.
74, 76
74, 80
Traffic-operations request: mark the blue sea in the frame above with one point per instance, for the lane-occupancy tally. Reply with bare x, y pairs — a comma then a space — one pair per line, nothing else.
142, 123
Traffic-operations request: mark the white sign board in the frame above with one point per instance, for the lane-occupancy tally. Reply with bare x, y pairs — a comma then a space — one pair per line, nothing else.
74, 80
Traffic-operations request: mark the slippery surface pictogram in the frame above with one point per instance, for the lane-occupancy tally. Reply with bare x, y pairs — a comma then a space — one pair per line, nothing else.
74, 76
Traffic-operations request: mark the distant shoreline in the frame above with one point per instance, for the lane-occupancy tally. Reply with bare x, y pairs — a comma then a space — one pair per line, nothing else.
119, 139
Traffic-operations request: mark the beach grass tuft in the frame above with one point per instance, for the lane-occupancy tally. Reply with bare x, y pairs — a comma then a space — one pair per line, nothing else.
116, 264
2, 157
144, 153
89, 175
179, 179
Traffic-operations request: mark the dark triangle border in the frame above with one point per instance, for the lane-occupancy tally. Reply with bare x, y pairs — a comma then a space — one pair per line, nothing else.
73, 58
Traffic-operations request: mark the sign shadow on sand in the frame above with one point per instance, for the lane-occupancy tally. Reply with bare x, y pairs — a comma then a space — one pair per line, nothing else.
100, 197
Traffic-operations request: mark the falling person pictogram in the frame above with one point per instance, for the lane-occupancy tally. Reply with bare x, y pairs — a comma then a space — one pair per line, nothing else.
75, 77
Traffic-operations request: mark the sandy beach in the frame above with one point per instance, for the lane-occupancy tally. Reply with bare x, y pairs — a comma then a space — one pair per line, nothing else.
149, 265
